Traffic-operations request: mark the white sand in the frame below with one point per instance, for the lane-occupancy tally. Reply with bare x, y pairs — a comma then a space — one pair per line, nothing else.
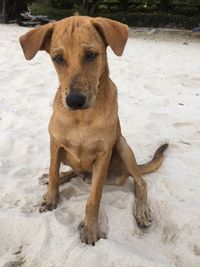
159, 99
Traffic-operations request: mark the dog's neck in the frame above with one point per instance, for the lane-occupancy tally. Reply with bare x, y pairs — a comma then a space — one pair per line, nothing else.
104, 82
106, 99
106, 90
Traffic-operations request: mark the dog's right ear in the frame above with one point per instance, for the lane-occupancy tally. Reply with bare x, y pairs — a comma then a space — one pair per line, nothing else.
36, 39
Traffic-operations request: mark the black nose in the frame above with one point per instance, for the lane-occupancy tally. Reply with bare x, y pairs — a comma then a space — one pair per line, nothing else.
75, 100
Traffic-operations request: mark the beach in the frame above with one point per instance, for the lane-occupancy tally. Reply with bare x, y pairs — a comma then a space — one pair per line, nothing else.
159, 101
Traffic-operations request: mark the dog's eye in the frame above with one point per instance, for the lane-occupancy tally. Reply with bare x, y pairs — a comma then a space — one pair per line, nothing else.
58, 59
91, 56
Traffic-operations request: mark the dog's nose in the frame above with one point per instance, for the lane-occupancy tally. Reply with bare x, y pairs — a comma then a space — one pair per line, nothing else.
75, 100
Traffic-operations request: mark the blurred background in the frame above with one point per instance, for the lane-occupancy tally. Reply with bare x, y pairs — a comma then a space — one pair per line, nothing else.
183, 14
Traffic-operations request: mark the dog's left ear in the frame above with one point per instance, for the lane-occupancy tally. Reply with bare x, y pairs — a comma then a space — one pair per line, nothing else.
114, 33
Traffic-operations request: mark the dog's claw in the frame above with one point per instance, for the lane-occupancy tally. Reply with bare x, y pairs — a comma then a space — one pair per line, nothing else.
90, 235
47, 205
142, 214
81, 224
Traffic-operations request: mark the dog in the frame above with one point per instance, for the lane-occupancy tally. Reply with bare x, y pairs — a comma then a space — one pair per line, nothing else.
84, 128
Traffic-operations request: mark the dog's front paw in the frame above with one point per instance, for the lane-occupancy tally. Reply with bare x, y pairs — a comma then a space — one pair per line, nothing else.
48, 204
90, 234
142, 214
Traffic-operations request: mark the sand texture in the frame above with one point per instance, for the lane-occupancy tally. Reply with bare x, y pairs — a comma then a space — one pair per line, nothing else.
159, 101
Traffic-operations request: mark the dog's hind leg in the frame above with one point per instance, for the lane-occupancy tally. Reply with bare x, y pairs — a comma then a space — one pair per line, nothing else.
65, 177
117, 174
141, 209
112, 179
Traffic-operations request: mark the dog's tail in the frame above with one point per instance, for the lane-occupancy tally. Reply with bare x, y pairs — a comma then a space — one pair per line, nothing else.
155, 163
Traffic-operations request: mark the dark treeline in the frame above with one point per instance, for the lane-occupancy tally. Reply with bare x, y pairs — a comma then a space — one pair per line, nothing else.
10, 9
156, 13
91, 7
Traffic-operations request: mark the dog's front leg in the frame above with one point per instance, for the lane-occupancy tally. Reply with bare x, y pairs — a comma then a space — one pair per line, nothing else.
89, 229
50, 201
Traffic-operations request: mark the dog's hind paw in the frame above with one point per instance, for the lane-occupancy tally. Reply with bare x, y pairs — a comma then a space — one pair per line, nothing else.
142, 214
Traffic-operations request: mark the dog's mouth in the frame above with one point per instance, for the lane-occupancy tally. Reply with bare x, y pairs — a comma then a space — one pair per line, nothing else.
76, 108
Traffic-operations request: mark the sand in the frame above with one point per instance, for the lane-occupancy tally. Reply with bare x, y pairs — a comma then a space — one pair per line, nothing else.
159, 101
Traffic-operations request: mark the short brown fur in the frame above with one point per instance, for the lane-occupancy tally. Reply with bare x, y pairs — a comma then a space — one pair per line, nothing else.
89, 140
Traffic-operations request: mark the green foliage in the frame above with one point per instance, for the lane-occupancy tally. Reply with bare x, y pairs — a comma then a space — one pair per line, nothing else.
52, 13
103, 8
90, 6
146, 13
62, 3
143, 8
161, 19
188, 11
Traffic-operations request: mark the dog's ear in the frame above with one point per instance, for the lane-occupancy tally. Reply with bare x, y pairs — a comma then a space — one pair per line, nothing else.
114, 33
36, 39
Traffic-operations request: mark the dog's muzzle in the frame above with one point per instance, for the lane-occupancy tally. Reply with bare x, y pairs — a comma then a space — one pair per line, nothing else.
75, 101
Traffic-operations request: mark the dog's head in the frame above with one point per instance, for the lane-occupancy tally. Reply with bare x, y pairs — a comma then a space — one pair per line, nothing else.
77, 47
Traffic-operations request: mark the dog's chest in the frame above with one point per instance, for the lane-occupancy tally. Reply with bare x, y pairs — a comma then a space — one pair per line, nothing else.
81, 149
81, 143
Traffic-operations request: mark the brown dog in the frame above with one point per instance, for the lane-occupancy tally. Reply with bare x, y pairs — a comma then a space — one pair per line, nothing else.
84, 127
